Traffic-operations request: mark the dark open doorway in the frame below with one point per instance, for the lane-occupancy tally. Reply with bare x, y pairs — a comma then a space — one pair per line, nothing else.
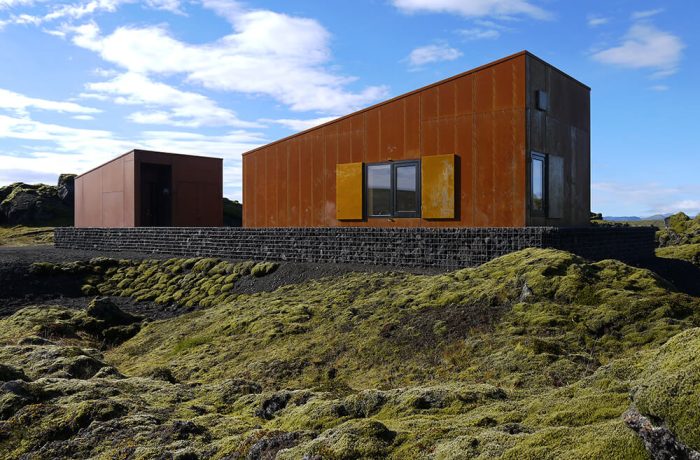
156, 195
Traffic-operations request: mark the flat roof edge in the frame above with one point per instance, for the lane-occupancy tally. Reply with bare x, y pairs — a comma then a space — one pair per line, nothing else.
134, 151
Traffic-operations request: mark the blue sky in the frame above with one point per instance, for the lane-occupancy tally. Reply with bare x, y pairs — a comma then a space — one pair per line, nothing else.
83, 81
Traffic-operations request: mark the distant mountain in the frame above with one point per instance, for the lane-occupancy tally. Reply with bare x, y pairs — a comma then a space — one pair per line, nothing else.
634, 218
658, 216
621, 218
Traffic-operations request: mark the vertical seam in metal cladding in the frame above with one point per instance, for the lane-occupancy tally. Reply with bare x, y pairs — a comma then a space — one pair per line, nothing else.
123, 223
472, 180
494, 146
405, 128
324, 181
102, 197
528, 137
438, 120
299, 181
266, 190
286, 174
256, 208
421, 153
513, 155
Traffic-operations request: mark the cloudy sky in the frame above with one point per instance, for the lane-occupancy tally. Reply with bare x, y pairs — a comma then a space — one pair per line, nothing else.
83, 81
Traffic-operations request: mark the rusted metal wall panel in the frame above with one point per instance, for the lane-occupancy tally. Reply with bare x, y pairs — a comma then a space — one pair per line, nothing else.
391, 138
429, 122
446, 118
484, 184
282, 196
357, 123
78, 203
483, 117
247, 178
306, 192
317, 177
294, 184
465, 174
106, 197
373, 153
411, 119
271, 191
330, 135
129, 208
503, 159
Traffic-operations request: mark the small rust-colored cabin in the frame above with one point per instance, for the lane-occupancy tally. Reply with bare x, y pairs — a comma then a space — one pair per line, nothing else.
151, 189
503, 145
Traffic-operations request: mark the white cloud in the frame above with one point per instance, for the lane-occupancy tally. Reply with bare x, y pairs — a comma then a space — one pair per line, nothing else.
595, 21
474, 8
51, 148
478, 33
20, 103
186, 109
83, 117
432, 53
645, 47
659, 88
78, 10
254, 60
299, 125
637, 15
13, 3
644, 199
690, 207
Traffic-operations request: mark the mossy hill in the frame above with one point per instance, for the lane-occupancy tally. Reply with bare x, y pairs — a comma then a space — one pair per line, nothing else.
679, 229
38, 204
536, 355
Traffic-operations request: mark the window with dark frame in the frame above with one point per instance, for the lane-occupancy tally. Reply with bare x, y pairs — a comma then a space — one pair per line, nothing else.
537, 185
393, 189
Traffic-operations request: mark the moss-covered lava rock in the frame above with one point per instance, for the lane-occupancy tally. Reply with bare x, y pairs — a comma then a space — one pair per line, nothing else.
531, 356
679, 229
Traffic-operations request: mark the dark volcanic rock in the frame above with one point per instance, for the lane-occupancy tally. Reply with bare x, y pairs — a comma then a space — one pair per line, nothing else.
8, 373
104, 309
659, 440
38, 204
66, 187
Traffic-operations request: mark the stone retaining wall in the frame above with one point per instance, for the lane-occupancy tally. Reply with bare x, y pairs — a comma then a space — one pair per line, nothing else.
417, 247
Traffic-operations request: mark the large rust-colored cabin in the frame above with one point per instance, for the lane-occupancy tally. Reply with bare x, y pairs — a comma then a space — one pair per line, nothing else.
503, 145
143, 188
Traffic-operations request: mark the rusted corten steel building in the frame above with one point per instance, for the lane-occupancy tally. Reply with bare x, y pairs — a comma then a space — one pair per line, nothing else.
503, 145
144, 188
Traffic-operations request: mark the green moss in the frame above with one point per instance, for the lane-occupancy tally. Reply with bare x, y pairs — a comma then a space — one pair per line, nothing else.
191, 342
669, 390
263, 268
687, 252
679, 229
533, 355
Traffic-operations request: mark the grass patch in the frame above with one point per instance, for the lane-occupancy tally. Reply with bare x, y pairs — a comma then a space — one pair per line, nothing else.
20, 235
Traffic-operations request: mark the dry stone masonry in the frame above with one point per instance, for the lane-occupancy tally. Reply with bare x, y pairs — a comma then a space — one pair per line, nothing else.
412, 247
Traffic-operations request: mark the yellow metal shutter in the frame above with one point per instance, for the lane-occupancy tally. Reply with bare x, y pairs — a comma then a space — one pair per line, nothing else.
438, 187
348, 191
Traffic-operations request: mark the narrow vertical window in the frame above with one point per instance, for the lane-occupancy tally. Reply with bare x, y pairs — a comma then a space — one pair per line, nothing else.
537, 185
379, 190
